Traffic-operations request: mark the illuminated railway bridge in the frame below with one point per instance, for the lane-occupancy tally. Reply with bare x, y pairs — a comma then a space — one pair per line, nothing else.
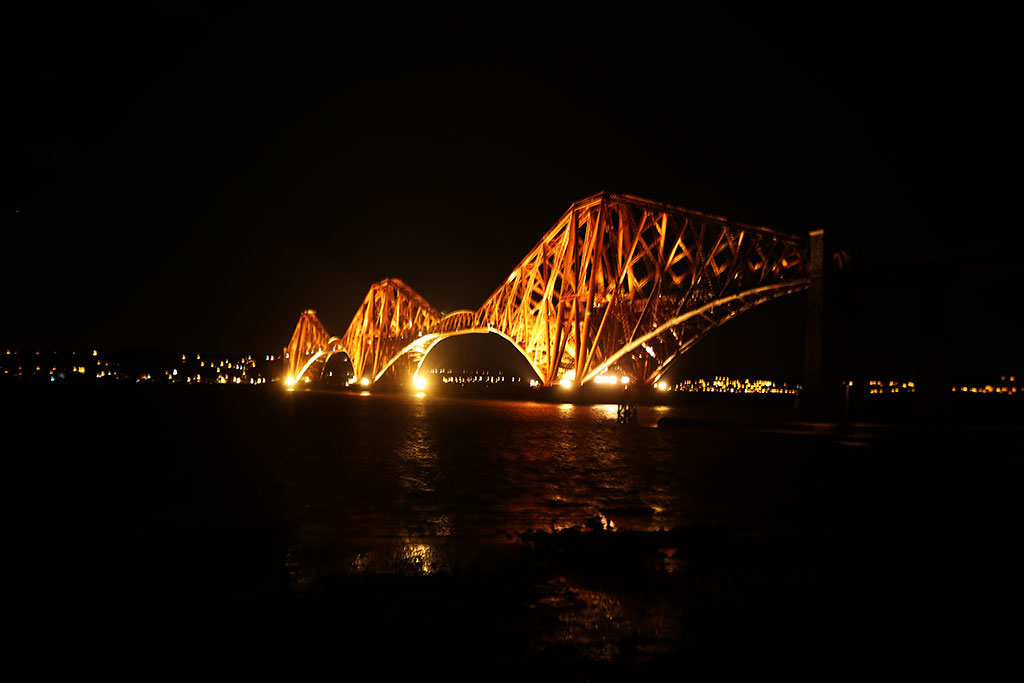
619, 283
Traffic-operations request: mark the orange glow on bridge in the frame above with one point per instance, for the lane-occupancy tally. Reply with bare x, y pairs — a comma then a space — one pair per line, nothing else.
618, 282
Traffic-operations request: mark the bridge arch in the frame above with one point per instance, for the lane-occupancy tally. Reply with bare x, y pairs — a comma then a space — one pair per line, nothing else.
323, 354
684, 331
420, 349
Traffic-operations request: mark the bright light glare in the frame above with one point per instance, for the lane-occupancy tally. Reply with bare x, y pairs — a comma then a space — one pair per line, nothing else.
565, 383
365, 382
606, 379
419, 382
662, 386
625, 379
290, 380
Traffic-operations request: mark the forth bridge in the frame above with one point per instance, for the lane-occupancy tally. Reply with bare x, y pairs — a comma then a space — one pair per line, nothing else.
619, 283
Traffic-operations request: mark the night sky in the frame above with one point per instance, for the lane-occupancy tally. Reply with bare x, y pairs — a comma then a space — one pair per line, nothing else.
193, 179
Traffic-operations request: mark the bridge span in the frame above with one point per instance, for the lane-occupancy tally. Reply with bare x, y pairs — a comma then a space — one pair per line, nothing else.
618, 283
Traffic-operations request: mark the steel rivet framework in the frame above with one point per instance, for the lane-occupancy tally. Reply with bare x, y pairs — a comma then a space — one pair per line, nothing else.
618, 282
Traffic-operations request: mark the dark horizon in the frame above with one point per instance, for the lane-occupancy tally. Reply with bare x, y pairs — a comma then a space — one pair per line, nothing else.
192, 180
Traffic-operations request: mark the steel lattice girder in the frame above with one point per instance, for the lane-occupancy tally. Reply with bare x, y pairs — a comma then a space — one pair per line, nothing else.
617, 281
391, 317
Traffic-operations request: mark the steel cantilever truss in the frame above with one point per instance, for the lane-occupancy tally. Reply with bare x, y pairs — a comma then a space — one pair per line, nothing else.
618, 281
391, 318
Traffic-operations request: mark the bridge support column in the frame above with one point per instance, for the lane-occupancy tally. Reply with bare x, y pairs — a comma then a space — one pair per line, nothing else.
821, 395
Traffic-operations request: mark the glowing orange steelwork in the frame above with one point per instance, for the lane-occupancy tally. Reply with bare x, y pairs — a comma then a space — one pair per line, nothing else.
618, 282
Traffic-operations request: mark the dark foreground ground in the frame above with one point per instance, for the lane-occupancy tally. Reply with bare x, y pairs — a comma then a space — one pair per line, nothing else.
149, 546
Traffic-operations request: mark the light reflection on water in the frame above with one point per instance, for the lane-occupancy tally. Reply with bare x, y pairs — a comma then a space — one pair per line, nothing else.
391, 481
410, 558
413, 486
